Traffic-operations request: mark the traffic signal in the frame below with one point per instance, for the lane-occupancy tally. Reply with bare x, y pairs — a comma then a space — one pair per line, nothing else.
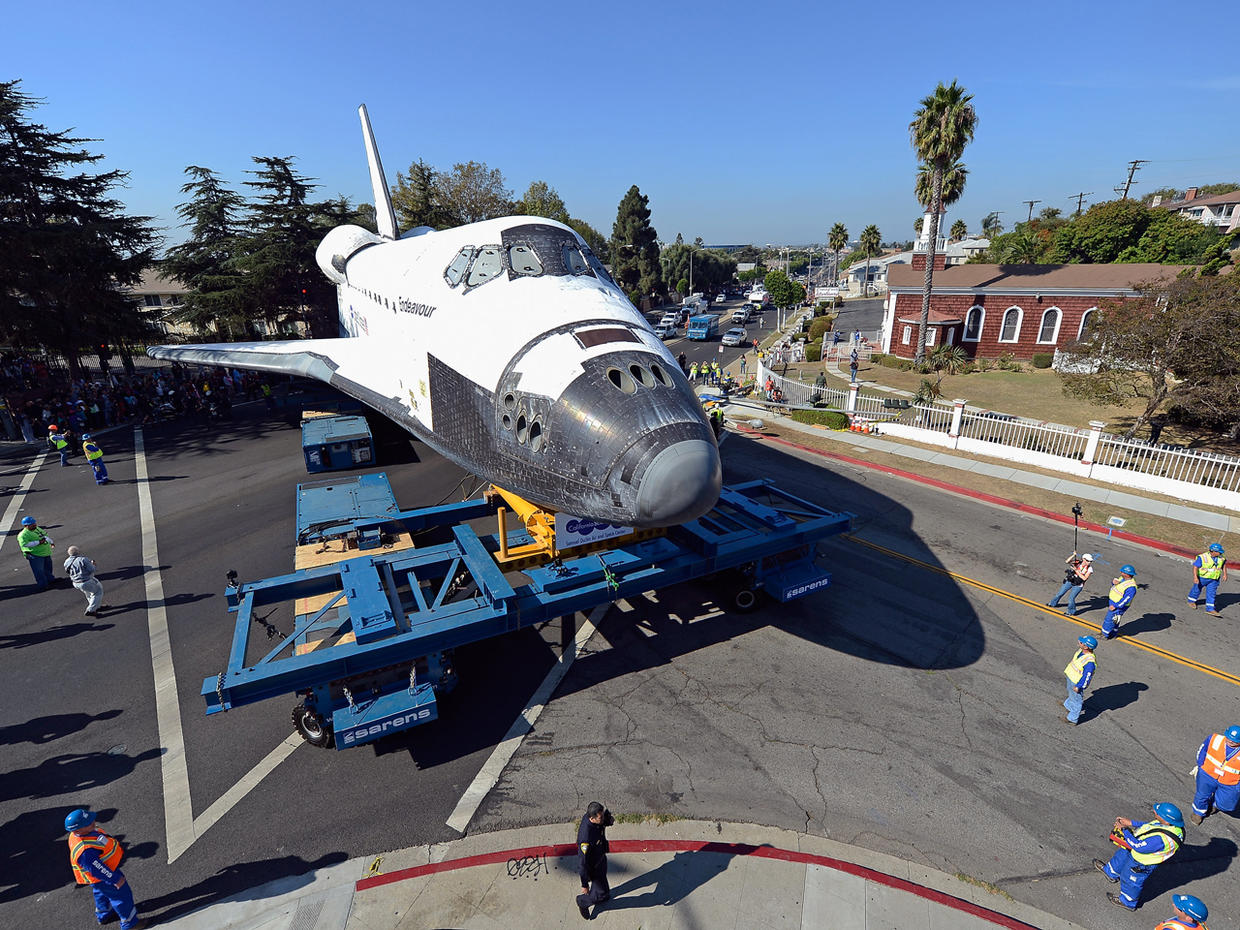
105, 351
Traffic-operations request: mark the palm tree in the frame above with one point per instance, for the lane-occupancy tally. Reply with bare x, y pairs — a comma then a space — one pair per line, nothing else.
940, 130
959, 230
1018, 248
991, 226
871, 241
837, 239
954, 176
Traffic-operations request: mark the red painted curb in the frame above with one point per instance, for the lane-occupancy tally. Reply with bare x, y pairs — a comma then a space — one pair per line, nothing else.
703, 846
976, 495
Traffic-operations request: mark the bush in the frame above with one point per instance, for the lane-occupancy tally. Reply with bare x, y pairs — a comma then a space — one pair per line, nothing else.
1042, 359
813, 351
831, 419
892, 361
819, 328
985, 364
1007, 362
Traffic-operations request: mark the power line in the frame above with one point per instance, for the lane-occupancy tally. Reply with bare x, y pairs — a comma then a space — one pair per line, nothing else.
1080, 199
1030, 203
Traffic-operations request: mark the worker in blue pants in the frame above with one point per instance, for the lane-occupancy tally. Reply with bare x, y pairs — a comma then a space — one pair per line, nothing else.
1218, 774
96, 858
1209, 569
1190, 913
94, 457
1123, 590
1146, 845
1078, 674
58, 443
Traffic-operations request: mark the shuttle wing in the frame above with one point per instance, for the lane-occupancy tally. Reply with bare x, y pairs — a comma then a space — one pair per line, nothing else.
342, 363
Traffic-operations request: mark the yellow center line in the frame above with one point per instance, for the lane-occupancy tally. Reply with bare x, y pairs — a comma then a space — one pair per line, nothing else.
1036, 605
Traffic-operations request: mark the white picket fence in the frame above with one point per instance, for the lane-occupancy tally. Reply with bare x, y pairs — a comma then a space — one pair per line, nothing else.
1204, 477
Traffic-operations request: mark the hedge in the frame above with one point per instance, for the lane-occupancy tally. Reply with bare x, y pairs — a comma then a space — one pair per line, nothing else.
819, 328
1042, 359
831, 419
813, 351
891, 361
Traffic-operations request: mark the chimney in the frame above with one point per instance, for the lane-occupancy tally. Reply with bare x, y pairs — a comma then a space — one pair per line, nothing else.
919, 261
1190, 194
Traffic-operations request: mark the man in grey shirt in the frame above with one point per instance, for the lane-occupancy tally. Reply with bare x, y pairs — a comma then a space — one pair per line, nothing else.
82, 573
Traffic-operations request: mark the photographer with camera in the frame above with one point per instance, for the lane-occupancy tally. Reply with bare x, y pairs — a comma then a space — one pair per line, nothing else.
1079, 570
592, 857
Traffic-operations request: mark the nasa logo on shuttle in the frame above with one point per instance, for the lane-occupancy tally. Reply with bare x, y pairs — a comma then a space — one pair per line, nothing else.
405, 305
573, 531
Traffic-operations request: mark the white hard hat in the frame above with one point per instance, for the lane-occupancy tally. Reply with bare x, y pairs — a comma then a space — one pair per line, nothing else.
1088, 557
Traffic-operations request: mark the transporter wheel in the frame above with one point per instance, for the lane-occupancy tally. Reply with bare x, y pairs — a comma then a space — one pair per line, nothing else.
745, 600
310, 726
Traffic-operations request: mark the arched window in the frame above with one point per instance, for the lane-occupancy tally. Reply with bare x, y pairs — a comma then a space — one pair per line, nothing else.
1081, 330
973, 322
1010, 331
1048, 332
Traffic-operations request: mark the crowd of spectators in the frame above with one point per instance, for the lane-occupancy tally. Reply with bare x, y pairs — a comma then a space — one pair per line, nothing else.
34, 396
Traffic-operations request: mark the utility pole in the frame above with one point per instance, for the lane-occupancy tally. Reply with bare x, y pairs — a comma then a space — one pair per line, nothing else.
1080, 199
1030, 203
1133, 166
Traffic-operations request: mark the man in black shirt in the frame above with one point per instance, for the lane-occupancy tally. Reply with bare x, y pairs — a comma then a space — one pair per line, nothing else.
592, 857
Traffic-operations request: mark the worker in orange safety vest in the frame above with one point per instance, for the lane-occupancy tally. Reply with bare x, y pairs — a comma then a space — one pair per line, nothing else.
96, 859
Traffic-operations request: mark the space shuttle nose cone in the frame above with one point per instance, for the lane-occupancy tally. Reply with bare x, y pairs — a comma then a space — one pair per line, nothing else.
681, 484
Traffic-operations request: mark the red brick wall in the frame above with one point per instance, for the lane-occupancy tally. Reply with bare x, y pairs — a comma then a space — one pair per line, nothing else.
1071, 310
940, 261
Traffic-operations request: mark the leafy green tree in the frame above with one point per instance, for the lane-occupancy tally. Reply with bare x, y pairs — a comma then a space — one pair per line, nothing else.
417, 200
541, 199
1048, 214
594, 239
682, 287
680, 239
283, 283
871, 241
941, 129
635, 245
472, 192
837, 239
748, 253
1021, 247
66, 244
780, 287
711, 269
959, 230
1177, 343
204, 261
1126, 231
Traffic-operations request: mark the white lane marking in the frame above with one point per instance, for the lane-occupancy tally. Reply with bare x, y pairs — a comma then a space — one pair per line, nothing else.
490, 772
15, 504
183, 828
178, 813
249, 781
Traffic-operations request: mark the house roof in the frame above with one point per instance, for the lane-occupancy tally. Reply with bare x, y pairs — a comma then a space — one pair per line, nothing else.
1212, 201
155, 283
1035, 278
937, 317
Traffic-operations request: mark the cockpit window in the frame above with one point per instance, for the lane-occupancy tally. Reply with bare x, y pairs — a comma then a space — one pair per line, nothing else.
523, 260
597, 265
488, 263
456, 270
574, 261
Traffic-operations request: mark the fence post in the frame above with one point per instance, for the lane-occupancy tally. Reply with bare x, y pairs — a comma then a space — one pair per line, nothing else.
957, 416
852, 396
1091, 444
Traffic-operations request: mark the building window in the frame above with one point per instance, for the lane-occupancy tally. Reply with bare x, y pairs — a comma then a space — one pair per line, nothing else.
1010, 331
907, 335
1048, 332
973, 321
152, 300
951, 336
930, 335
1080, 333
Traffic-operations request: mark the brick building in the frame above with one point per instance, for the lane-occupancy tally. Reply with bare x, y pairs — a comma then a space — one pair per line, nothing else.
994, 310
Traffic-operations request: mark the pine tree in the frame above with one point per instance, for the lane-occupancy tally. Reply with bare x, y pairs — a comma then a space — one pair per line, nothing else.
416, 199
66, 245
635, 246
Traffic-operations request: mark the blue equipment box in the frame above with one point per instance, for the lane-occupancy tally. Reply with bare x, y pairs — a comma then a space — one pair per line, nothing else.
330, 443
376, 717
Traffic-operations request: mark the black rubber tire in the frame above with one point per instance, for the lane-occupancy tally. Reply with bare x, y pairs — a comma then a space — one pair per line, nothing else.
745, 600
311, 727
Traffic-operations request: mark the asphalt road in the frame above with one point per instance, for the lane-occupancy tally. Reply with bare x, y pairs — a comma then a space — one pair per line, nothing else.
901, 709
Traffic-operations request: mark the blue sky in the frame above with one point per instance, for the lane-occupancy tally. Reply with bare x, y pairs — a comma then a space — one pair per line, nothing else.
740, 122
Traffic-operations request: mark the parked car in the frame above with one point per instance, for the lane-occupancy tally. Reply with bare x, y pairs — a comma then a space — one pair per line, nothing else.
670, 319
720, 299
665, 331
735, 336
741, 315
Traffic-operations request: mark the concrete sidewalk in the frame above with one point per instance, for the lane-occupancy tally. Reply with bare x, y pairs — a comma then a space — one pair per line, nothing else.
678, 874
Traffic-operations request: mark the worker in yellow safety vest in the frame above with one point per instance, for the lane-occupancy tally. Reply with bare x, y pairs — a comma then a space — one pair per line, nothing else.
1209, 569
96, 859
58, 443
1123, 590
94, 457
1142, 847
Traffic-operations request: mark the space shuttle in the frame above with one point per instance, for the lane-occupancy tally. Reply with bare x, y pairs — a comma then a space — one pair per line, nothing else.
507, 347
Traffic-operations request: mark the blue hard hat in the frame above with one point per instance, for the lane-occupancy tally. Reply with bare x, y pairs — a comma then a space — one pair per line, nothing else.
1087, 641
1232, 733
1127, 570
29, 521
1170, 813
78, 819
86, 435
1193, 907
1218, 549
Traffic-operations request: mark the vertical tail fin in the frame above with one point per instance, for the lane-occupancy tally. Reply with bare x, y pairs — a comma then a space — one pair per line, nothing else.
385, 216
